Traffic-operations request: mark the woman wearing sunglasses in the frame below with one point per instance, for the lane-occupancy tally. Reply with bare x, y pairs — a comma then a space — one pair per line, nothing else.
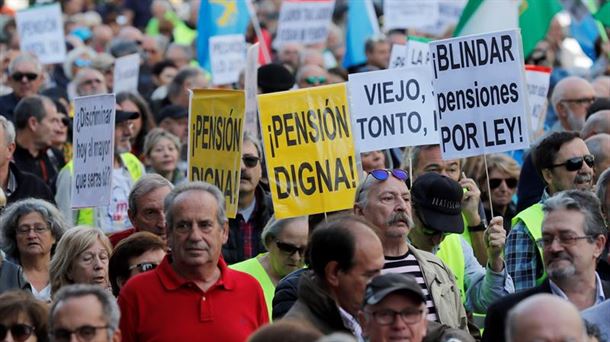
285, 241
22, 318
503, 178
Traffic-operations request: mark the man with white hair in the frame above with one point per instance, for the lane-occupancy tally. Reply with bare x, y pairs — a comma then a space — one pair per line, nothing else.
571, 98
25, 77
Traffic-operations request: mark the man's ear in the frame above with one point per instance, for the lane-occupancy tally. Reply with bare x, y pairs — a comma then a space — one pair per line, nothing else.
358, 211
331, 272
32, 123
600, 243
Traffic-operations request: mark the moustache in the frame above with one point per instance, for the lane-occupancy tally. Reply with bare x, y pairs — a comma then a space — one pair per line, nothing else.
560, 256
398, 217
582, 178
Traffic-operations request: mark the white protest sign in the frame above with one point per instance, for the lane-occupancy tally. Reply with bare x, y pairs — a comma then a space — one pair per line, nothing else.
251, 90
303, 21
41, 33
398, 56
126, 72
227, 57
402, 14
537, 79
480, 91
418, 51
93, 143
392, 108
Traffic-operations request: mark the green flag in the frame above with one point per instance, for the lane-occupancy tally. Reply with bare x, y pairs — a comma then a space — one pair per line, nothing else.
603, 15
534, 20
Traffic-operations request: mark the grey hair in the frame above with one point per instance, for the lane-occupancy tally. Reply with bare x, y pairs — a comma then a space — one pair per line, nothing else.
583, 201
10, 220
110, 307
274, 227
147, 183
9, 130
24, 58
175, 86
248, 136
170, 200
601, 189
188, 51
362, 191
73, 55
598, 147
155, 135
305, 68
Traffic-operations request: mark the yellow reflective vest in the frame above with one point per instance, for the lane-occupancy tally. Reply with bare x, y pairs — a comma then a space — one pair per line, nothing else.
451, 253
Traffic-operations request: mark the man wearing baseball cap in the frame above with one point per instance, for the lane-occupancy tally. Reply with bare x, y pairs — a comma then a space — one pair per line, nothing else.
437, 206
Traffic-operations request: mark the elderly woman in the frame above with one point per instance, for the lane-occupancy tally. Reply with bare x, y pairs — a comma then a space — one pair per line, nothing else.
162, 153
285, 241
30, 230
81, 257
503, 178
22, 318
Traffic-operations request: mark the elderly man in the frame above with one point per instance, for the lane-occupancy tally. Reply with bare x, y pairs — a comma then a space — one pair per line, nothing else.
597, 123
436, 213
254, 207
194, 290
37, 123
571, 98
544, 317
599, 146
25, 78
177, 90
89, 81
344, 255
86, 312
563, 161
572, 238
146, 207
311, 75
385, 201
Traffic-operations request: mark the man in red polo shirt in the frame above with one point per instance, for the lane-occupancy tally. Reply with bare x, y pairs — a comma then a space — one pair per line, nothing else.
192, 294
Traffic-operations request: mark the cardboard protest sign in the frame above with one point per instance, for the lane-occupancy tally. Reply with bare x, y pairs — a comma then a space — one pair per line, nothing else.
309, 150
93, 142
401, 14
251, 90
126, 72
303, 21
392, 108
418, 51
398, 56
480, 91
227, 57
216, 118
41, 33
537, 78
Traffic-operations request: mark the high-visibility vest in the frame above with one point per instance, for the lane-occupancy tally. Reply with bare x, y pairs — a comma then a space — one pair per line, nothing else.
452, 254
532, 218
85, 216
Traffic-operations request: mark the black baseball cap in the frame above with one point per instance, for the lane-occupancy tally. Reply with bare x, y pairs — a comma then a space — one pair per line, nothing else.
438, 201
272, 78
172, 112
383, 285
122, 116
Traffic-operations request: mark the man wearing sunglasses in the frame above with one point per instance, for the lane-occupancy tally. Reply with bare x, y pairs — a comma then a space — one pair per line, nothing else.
563, 162
25, 78
254, 207
311, 75
572, 238
437, 203
384, 200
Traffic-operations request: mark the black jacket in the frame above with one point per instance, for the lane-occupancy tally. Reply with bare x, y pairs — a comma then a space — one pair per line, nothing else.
286, 293
28, 185
46, 165
495, 321
233, 250
8, 103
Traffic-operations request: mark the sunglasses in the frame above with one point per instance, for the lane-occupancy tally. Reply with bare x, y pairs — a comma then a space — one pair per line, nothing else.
18, 76
20, 332
575, 164
84, 333
383, 174
288, 248
315, 80
511, 183
250, 161
143, 267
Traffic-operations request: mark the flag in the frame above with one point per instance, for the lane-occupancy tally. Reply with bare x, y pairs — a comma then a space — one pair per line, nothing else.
532, 16
361, 25
219, 17
603, 15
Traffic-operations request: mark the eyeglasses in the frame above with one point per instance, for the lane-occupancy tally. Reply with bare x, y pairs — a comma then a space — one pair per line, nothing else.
250, 161
581, 101
315, 80
387, 316
143, 267
23, 230
18, 76
91, 81
20, 332
383, 174
511, 183
288, 248
84, 333
575, 164
564, 240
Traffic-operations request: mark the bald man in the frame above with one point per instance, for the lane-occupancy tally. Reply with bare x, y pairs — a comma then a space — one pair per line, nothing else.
598, 146
571, 98
599, 122
545, 317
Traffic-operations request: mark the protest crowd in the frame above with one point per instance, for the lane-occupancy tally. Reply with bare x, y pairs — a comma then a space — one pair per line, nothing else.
304, 170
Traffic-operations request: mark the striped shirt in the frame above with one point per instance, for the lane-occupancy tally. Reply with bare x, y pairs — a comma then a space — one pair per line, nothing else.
407, 264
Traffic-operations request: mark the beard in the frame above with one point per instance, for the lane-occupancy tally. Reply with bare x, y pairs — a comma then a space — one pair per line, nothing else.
560, 272
576, 124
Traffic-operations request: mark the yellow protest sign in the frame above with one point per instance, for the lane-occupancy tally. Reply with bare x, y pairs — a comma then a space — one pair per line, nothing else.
309, 150
216, 119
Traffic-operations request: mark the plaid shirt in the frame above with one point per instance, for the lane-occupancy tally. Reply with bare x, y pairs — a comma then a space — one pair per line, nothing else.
523, 262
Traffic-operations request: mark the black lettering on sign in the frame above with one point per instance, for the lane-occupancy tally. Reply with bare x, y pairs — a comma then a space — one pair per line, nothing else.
217, 133
225, 180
